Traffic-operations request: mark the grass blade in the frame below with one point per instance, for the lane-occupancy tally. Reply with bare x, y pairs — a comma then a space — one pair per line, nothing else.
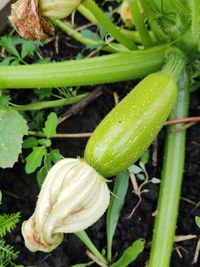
116, 203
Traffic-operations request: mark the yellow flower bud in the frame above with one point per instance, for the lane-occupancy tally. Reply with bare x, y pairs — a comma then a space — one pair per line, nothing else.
72, 198
57, 8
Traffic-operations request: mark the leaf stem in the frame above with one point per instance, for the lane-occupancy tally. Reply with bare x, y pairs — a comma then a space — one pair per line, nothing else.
169, 196
49, 104
139, 23
108, 25
65, 27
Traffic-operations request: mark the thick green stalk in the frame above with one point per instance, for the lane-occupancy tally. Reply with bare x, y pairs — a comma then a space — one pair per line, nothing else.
87, 241
49, 104
139, 23
108, 25
169, 196
98, 70
87, 13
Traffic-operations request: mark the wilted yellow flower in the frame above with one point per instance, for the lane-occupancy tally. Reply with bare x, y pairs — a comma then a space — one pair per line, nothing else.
29, 17
72, 198
126, 15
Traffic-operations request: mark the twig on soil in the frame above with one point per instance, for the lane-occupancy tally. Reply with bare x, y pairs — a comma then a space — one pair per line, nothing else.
10, 194
180, 238
188, 119
116, 98
196, 207
86, 101
72, 135
137, 191
196, 254
185, 127
92, 257
178, 250
188, 200
155, 152
80, 105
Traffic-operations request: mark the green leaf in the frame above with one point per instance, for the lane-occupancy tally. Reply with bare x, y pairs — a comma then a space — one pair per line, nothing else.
83, 264
116, 203
4, 101
135, 169
34, 159
41, 175
0, 197
145, 157
8, 43
13, 127
155, 180
29, 48
130, 254
7, 61
45, 142
7, 254
30, 142
55, 155
197, 220
8, 223
50, 125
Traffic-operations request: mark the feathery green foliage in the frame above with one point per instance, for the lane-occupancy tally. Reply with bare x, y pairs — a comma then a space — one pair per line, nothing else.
7, 252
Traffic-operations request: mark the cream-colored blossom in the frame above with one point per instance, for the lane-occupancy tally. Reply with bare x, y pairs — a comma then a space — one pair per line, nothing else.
72, 198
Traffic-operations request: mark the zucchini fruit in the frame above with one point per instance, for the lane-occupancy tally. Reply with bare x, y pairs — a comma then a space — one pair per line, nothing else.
132, 125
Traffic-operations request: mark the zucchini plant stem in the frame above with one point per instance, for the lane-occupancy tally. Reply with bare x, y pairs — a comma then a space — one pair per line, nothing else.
139, 23
98, 70
175, 62
108, 25
169, 196
131, 34
115, 47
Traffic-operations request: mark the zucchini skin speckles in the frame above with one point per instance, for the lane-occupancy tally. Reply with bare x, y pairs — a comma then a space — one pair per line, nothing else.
132, 125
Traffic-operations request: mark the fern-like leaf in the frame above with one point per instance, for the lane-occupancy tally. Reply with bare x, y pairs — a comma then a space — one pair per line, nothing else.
8, 223
7, 253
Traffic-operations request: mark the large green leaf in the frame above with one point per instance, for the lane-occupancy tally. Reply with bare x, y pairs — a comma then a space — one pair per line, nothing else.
12, 128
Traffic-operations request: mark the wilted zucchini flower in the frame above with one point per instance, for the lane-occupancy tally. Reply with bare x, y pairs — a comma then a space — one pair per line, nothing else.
72, 198
30, 17
125, 14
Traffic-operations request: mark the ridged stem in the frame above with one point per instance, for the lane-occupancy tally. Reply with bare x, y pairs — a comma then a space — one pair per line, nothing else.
175, 63
105, 22
98, 70
171, 181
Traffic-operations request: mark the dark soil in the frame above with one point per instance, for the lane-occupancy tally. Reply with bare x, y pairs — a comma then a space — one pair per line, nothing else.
20, 192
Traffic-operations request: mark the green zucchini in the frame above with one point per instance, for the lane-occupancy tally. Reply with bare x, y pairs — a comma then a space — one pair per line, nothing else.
132, 125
